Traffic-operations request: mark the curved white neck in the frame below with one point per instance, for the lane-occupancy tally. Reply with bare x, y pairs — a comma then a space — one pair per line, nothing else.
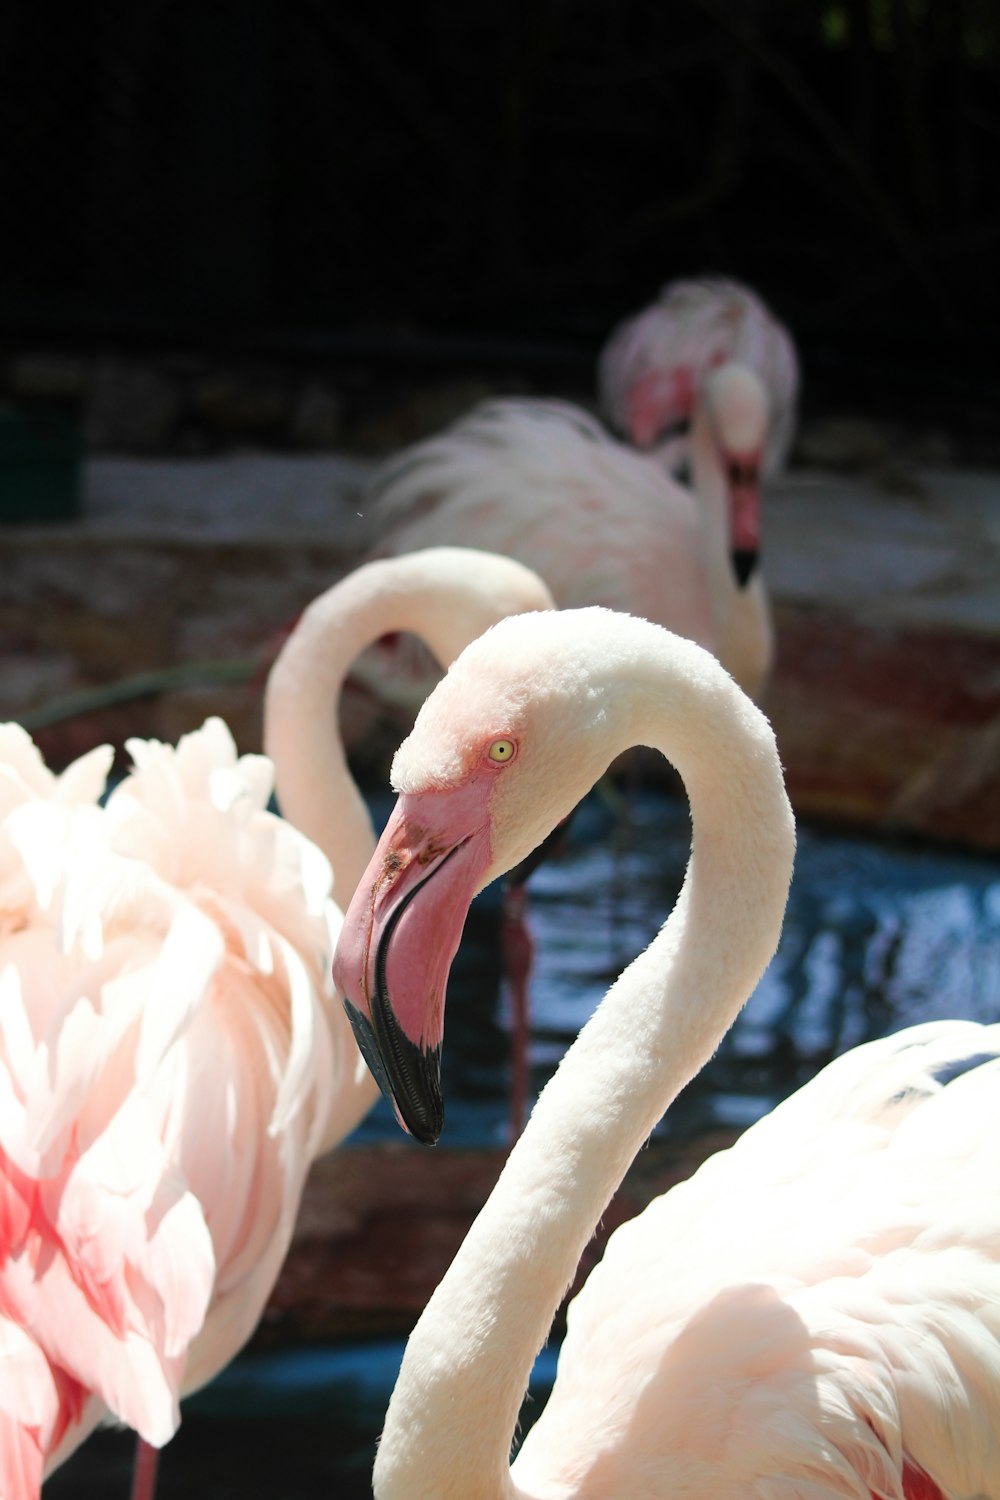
452, 1416
445, 595
314, 786
709, 483
423, 593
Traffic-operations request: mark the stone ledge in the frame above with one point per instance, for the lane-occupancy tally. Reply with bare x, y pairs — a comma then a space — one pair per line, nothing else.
891, 728
885, 697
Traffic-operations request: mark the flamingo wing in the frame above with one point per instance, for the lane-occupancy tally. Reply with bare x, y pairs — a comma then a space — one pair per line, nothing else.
166, 1063
540, 481
816, 1312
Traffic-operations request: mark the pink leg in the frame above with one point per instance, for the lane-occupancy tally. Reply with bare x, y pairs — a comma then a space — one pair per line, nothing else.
144, 1471
518, 956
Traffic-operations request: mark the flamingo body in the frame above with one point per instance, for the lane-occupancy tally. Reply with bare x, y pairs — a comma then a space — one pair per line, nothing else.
165, 1064
655, 362
172, 1058
816, 1314
819, 1305
541, 481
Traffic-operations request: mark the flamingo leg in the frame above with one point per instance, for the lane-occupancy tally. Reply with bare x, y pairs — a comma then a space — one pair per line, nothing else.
144, 1470
518, 958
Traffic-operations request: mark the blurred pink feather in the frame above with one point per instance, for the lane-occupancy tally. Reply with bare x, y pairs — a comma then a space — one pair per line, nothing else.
172, 1053
165, 1067
542, 481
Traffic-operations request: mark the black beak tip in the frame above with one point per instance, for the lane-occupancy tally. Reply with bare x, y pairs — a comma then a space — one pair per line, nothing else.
364, 1035
426, 1128
417, 1095
408, 1076
745, 560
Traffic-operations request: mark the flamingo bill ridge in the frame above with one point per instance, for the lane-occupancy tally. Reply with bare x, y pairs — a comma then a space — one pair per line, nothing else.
390, 966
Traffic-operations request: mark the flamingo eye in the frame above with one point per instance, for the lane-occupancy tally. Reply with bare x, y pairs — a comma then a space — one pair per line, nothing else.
502, 751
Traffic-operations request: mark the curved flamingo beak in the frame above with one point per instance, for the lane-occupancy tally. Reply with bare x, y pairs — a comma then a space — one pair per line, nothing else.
400, 934
743, 478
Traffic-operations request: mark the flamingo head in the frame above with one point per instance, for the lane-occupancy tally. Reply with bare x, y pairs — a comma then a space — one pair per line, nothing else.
738, 413
500, 752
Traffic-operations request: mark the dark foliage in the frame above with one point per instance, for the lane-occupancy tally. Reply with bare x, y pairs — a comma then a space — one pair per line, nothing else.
301, 171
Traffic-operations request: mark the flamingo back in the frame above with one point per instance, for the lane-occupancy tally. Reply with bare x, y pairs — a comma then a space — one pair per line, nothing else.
542, 482
816, 1312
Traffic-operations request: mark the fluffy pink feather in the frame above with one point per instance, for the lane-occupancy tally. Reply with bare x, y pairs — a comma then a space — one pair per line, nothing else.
165, 1066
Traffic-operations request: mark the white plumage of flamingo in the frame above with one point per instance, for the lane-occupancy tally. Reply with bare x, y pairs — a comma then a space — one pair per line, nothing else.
172, 1055
815, 1315
542, 481
654, 363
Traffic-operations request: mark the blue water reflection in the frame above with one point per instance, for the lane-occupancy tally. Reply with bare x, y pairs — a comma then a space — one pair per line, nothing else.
878, 935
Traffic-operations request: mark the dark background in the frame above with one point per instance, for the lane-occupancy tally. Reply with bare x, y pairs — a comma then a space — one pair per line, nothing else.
470, 184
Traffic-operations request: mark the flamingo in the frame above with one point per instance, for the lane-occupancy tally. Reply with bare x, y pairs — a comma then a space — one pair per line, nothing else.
815, 1315
165, 1062
171, 1055
654, 363
543, 482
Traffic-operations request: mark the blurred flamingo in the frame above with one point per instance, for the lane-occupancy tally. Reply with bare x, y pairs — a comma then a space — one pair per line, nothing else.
172, 1057
817, 1312
543, 482
655, 362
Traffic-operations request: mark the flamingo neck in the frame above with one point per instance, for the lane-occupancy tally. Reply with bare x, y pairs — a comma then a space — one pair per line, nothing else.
453, 1414
447, 596
314, 784
709, 483
740, 615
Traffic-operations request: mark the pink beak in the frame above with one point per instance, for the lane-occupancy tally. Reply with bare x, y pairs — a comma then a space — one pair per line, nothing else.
743, 478
400, 934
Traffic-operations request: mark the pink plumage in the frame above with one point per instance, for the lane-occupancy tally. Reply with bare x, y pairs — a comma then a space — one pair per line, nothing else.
707, 377
654, 364
171, 1054
543, 482
165, 1065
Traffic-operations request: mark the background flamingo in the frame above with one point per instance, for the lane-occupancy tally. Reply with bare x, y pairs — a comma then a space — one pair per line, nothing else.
433, 602
543, 482
655, 362
817, 1312
171, 1056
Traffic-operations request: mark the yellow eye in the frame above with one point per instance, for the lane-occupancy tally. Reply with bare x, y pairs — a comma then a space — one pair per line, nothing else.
501, 750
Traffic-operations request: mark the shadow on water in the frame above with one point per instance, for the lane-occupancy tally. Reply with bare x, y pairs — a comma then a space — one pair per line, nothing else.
877, 936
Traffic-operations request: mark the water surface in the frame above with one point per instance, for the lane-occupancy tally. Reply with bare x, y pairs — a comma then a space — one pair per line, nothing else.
877, 936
